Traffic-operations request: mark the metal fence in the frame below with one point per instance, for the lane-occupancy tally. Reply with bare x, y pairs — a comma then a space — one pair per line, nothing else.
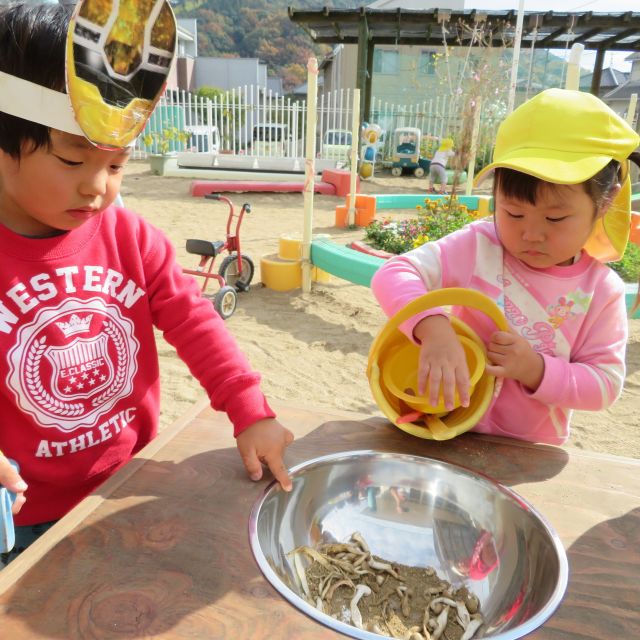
251, 121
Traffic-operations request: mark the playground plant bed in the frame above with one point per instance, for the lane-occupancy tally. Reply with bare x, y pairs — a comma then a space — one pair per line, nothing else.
435, 219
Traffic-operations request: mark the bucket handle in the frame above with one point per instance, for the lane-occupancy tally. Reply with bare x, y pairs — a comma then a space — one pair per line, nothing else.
459, 296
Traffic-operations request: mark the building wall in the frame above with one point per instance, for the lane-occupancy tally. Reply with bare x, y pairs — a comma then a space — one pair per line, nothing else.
186, 75
188, 48
340, 72
228, 73
172, 78
407, 82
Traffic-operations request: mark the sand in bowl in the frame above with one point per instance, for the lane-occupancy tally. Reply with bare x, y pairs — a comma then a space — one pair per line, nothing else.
347, 582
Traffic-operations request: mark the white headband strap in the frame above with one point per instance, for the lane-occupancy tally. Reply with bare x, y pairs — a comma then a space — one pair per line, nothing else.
30, 101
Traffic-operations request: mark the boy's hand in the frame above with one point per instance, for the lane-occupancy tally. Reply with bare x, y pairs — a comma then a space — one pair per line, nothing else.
265, 442
512, 356
11, 480
442, 362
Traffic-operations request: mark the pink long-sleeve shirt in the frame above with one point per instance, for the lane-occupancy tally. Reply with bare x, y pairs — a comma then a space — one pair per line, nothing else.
574, 316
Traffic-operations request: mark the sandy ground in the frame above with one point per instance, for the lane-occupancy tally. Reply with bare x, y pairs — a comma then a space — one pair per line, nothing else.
312, 349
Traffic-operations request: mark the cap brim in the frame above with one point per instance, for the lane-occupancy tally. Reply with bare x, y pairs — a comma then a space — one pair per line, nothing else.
560, 167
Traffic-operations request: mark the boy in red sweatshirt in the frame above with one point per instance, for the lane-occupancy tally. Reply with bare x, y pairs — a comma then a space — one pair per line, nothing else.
82, 285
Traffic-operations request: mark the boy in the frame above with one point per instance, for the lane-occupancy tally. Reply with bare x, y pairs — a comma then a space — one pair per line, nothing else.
82, 285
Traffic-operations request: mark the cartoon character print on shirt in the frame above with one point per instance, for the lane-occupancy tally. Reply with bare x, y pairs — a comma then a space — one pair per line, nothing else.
560, 311
73, 362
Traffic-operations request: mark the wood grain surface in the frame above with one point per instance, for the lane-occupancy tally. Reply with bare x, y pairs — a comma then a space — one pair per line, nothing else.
162, 550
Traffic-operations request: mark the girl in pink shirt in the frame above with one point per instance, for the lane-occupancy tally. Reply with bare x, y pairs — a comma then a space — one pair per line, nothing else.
562, 208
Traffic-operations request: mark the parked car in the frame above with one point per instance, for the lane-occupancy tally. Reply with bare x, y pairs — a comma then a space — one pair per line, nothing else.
336, 145
269, 139
199, 140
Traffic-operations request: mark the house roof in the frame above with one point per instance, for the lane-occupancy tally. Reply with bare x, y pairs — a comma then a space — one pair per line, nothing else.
609, 79
619, 31
623, 92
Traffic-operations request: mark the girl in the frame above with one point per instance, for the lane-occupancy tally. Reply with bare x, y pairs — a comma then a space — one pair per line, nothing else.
562, 207
438, 165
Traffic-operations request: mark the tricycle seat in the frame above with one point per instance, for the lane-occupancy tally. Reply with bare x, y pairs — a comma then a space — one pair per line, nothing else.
205, 247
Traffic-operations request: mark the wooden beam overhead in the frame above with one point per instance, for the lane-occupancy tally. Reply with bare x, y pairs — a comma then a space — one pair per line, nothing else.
413, 27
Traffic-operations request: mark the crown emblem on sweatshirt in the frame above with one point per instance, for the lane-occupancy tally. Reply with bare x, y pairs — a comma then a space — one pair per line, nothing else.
73, 363
75, 325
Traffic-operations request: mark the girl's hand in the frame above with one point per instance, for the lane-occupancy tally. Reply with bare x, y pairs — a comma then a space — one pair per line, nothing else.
264, 442
10, 479
442, 362
512, 356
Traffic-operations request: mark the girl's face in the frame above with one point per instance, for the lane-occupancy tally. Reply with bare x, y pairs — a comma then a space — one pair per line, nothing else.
550, 232
58, 189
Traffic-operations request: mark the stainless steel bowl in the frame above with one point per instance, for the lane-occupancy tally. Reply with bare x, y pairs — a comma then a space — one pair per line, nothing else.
419, 512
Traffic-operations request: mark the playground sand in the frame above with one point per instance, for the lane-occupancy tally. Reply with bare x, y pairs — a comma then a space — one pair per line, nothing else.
312, 350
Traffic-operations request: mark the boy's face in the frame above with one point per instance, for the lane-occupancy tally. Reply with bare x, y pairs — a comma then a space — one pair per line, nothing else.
550, 232
58, 189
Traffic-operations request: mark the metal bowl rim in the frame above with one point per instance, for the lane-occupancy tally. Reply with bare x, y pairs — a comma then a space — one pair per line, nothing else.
293, 598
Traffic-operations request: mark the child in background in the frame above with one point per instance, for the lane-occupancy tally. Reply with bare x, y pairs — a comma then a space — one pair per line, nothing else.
82, 286
438, 165
562, 208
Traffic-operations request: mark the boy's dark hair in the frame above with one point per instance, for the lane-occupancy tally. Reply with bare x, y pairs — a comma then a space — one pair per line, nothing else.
32, 47
521, 186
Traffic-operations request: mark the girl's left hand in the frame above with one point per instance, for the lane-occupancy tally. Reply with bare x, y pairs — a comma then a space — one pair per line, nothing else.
264, 442
511, 356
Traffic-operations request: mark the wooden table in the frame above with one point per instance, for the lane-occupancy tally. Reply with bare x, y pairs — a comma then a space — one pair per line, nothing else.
162, 551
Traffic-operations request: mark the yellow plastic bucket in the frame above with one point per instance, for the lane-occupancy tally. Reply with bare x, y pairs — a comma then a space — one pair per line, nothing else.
393, 364
400, 374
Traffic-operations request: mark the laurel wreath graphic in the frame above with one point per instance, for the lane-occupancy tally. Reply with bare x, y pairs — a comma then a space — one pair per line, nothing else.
36, 388
121, 370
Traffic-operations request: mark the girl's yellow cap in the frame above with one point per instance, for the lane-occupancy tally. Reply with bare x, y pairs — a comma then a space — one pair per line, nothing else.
566, 137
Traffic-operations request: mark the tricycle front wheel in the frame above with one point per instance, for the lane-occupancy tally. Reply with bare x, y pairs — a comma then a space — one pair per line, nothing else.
225, 301
233, 275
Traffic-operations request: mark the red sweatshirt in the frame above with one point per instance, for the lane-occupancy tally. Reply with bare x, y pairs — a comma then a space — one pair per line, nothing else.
79, 390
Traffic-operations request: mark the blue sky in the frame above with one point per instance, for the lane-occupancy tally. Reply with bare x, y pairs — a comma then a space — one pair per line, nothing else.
615, 59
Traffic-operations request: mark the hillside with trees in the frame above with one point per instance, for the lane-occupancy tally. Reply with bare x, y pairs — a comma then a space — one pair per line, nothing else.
257, 29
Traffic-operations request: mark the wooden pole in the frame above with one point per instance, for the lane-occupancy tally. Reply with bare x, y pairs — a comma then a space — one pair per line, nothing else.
363, 58
309, 171
516, 58
573, 67
631, 111
474, 145
597, 71
355, 148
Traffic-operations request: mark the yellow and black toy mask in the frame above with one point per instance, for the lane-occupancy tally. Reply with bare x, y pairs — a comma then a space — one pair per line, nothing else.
119, 54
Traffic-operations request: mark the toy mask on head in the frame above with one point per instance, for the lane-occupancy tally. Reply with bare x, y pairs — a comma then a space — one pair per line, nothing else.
118, 56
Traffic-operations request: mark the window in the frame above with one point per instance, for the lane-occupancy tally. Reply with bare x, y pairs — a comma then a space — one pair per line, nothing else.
427, 64
385, 62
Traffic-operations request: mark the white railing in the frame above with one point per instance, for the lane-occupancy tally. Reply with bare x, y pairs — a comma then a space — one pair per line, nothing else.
252, 121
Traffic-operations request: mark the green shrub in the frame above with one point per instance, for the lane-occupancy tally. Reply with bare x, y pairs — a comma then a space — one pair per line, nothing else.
438, 218
629, 267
